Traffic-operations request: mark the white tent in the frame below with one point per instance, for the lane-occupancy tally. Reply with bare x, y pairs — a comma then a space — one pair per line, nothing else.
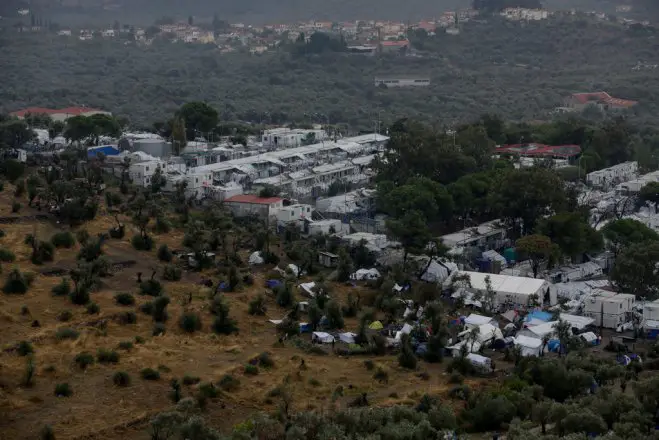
480, 362
589, 337
293, 269
308, 288
539, 331
487, 333
437, 271
406, 330
256, 258
365, 274
578, 322
475, 320
323, 337
472, 347
348, 337
529, 346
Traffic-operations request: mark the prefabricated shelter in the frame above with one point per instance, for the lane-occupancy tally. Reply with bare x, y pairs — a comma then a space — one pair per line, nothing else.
323, 227
486, 236
510, 291
609, 309
328, 259
651, 311
244, 205
528, 346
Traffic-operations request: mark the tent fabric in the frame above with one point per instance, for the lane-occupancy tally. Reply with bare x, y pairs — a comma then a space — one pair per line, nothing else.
517, 289
529, 346
308, 288
365, 274
272, 283
438, 271
510, 315
473, 347
479, 360
323, 337
305, 327
589, 337
376, 325
539, 315
476, 320
348, 337
494, 256
578, 322
294, 269
538, 331
256, 258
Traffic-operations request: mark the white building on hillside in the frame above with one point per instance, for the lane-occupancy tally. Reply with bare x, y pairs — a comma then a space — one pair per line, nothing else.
140, 173
486, 236
509, 291
607, 178
609, 309
288, 138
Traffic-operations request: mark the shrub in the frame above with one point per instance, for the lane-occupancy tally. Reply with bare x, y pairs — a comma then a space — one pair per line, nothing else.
160, 309
82, 236
64, 316
30, 369
228, 383
265, 360
63, 240
257, 306
126, 318
42, 251
2, 232
381, 375
16, 282
334, 317
20, 188
25, 311
223, 324
151, 287
62, 289
314, 382
142, 243
146, 308
125, 345
208, 390
164, 254
6, 256
456, 378
24, 348
63, 390
162, 225
190, 322
158, 329
190, 380
47, 433
93, 308
124, 299
121, 379
171, 273
79, 296
149, 374
406, 358
285, 297
139, 340
90, 250
369, 364
175, 394
251, 370
84, 359
105, 356
66, 333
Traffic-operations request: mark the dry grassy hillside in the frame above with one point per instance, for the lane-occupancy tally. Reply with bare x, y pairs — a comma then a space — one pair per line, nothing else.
98, 409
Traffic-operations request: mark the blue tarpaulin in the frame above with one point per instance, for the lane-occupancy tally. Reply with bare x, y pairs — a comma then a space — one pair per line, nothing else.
272, 283
539, 315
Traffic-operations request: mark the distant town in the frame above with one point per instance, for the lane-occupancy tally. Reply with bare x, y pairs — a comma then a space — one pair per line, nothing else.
360, 36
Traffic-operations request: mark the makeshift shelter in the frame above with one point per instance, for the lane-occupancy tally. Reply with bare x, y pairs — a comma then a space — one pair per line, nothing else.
437, 270
376, 325
475, 320
365, 274
256, 258
528, 346
322, 338
472, 347
481, 363
308, 288
590, 338
578, 322
305, 327
539, 331
538, 315
295, 270
406, 330
348, 337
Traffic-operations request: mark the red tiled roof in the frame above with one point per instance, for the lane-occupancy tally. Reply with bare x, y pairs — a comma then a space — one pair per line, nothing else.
541, 150
74, 111
248, 198
604, 98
